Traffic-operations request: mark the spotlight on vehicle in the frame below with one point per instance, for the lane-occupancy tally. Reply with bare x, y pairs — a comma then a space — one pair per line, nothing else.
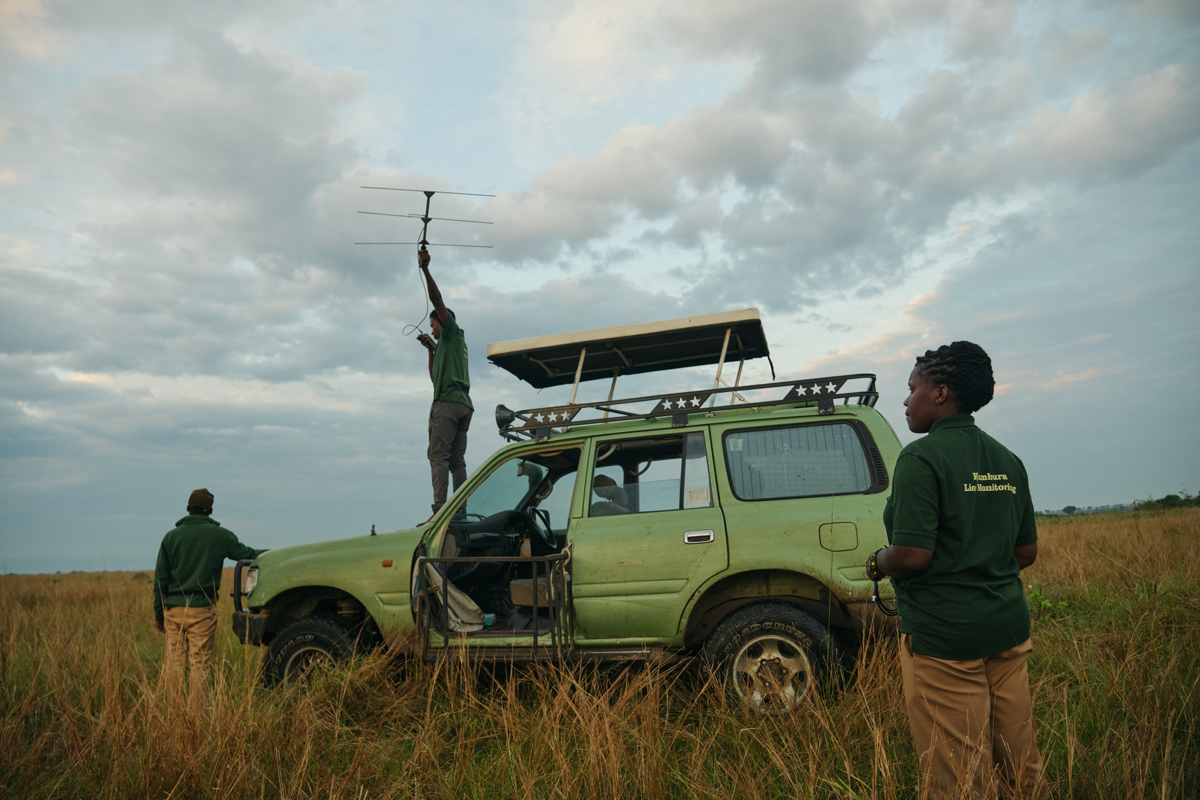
504, 416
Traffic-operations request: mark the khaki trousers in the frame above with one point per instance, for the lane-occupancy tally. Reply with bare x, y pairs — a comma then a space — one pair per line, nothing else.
191, 633
972, 722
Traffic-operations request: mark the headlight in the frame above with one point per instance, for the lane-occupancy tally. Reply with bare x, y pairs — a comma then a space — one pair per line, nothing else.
249, 581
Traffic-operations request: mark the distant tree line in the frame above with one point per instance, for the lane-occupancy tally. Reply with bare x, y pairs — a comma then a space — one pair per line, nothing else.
1185, 499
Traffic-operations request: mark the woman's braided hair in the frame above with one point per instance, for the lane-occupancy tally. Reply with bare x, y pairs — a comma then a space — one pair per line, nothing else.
965, 368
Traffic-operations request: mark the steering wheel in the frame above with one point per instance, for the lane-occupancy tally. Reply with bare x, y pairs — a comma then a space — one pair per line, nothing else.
540, 522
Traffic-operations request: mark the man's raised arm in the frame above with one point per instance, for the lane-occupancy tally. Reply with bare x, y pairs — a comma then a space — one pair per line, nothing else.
435, 294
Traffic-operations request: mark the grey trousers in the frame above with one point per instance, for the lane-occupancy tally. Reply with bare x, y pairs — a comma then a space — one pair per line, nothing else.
448, 424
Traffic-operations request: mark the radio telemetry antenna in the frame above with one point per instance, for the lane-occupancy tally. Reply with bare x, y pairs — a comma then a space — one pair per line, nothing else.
423, 241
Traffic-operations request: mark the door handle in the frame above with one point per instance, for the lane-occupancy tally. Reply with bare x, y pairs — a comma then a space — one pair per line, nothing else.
698, 537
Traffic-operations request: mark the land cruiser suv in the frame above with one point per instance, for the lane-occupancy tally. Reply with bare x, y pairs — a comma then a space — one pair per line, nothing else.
729, 522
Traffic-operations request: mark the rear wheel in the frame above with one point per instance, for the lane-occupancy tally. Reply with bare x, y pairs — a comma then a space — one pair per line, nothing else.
770, 656
308, 644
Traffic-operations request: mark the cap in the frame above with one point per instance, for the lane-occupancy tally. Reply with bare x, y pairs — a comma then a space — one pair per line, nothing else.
201, 498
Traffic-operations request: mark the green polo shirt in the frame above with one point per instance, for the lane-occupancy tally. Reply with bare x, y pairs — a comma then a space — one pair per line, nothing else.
451, 381
190, 560
963, 495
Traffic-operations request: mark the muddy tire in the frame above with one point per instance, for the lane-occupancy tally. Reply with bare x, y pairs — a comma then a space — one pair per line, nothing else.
770, 656
307, 644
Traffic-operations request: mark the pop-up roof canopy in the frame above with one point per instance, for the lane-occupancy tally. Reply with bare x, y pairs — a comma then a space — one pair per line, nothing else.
630, 349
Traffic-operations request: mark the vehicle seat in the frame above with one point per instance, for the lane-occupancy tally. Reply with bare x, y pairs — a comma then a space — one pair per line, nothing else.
450, 550
520, 590
613, 499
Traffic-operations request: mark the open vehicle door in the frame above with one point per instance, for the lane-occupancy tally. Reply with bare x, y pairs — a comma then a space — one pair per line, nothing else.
475, 586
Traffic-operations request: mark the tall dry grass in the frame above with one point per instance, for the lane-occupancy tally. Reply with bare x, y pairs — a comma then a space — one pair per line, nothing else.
1116, 671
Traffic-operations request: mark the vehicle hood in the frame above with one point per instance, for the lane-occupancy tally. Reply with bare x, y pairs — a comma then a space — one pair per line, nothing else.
355, 565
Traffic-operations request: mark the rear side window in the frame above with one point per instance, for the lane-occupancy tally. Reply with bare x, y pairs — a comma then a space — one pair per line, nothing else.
639, 476
798, 461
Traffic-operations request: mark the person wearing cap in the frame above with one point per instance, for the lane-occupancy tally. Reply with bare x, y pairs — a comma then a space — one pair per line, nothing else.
450, 414
187, 580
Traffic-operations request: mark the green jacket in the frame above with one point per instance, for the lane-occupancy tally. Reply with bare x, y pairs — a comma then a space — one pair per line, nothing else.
190, 560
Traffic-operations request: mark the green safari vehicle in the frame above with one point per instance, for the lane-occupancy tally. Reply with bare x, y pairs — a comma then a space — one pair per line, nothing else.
729, 522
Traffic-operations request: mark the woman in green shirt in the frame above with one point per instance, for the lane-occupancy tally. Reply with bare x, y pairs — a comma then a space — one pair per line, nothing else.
961, 528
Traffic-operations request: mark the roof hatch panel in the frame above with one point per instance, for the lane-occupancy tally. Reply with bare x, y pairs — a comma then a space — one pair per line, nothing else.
545, 361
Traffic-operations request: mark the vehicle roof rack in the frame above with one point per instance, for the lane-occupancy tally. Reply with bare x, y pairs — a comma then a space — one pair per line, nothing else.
540, 423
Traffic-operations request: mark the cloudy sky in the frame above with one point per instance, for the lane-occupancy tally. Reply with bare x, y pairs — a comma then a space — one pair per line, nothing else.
182, 303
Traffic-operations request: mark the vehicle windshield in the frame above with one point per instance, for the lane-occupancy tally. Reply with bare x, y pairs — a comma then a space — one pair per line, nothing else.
506, 489
513, 485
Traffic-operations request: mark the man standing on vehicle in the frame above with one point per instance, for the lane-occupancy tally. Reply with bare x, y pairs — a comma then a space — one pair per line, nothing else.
187, 580
450, 414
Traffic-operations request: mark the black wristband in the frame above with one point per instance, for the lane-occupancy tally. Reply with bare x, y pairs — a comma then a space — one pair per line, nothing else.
873, 566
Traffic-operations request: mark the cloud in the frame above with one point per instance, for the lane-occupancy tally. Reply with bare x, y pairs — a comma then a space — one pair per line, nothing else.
831, 193
1062, 379
222, 242
1048, 326
1118, 131
1070, 49
123, 17
23, 29
980, 29
1183, 12
642, 170
819, 40
38, 314
218, 123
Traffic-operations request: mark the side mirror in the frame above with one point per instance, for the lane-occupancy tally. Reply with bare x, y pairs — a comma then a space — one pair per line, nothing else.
504, 416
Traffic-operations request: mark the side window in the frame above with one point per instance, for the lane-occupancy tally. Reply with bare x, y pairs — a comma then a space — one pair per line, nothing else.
640, 476
798, 461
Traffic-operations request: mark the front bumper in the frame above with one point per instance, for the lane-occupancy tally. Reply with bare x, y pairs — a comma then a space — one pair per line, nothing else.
249, 627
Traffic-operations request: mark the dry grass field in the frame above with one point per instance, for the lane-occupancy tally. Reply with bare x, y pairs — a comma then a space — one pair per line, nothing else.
1116, 672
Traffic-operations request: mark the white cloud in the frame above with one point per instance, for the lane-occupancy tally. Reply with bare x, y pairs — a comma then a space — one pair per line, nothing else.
1115, 131
189, 127
23, 29
818, 40
1185, 12
1074, 48
980, 29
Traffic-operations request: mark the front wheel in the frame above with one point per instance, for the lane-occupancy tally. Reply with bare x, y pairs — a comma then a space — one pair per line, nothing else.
307, 644
770, 656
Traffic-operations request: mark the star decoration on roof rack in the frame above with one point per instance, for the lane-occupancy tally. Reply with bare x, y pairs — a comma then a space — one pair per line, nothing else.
820, 392
680, 402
